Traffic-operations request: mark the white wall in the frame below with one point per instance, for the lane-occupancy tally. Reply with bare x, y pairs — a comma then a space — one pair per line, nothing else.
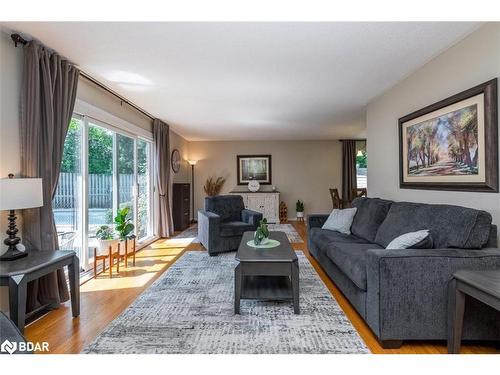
472, 61
302, 170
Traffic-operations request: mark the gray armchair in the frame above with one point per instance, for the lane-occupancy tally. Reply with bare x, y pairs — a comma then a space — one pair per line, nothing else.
223, 221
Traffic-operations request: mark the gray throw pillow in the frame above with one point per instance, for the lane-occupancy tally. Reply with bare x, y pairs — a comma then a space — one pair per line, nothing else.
340, 220
420, 239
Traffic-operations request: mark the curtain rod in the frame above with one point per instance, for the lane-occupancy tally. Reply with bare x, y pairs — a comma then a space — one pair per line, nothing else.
18, 39
122, 99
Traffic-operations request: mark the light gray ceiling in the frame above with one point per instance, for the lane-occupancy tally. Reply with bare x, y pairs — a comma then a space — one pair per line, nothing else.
226, 81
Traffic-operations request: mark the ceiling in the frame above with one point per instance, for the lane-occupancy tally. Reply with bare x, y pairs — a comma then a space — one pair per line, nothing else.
253, 81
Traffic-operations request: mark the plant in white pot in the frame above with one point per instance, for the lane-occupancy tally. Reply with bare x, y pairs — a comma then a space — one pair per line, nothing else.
299, 207
124, 226
106, 236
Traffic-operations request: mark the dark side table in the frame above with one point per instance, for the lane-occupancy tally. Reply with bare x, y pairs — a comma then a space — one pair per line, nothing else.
481, 285
17, 273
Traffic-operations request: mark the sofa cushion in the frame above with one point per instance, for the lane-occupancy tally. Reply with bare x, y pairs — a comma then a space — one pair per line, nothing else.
370, 214
351, 259
321, 238
234, 228
421, 239
450, 226
340, 220
228, 207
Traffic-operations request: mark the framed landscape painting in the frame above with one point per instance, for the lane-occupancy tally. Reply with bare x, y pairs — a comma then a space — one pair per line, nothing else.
452, 144
254, 168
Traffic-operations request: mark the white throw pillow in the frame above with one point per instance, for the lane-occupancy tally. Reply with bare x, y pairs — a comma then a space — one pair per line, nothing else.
408, 239
340, 220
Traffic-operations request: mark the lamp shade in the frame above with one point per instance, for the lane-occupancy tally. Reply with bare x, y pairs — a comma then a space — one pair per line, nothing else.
192, 162
19, 193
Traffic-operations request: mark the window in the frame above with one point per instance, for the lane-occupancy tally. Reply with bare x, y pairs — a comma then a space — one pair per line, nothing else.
67, 203
361, 164
103, 169
144, 187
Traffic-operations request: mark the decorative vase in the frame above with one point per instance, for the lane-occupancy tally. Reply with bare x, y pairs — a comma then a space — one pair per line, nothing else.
259, 238
104, 246
123, 244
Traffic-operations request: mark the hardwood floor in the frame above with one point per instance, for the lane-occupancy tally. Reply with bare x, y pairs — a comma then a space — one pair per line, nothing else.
103, 299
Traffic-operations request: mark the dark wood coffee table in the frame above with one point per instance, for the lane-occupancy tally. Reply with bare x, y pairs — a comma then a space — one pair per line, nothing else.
266, 274
481, 285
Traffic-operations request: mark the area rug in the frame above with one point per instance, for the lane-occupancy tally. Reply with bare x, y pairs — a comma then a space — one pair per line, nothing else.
293, 236
189, 309
291, 233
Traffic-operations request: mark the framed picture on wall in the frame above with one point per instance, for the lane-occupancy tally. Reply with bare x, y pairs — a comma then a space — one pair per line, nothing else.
254, 168
452, 144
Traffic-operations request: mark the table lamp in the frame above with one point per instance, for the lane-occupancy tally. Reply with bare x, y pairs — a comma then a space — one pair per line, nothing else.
18, 194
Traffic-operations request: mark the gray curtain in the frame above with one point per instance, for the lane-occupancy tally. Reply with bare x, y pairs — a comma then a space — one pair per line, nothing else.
47, 102
162, 161
348, 169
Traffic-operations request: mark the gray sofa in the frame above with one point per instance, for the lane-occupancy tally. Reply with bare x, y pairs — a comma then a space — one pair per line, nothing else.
223, 221
10, 332
402, 294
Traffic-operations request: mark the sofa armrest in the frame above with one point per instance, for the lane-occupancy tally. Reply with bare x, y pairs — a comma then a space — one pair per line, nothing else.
10, 332
407, 289
316, 220
208, 229
251, 217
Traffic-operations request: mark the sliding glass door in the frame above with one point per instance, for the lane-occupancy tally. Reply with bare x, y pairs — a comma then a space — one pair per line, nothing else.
99, 182
67, 204
126, 173
103, 170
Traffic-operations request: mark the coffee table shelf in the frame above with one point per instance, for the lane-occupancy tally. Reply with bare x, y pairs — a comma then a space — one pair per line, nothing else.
266, 288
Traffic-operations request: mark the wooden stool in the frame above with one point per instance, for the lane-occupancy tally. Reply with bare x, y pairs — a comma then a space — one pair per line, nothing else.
113, 253
127, 249
131, 243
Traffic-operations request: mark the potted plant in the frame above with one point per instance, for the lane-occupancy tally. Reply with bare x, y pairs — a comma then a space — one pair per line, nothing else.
262, 233
106, 237
123, 225
299, 207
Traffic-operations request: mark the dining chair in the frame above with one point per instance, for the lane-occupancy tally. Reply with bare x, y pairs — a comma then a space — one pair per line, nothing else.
336, 201
359, 192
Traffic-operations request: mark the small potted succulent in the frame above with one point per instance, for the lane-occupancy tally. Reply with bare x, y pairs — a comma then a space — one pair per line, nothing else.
106, 236
262, 233
299, 207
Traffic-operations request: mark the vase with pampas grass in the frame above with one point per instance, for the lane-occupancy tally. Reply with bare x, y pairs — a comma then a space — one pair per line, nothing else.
213, 185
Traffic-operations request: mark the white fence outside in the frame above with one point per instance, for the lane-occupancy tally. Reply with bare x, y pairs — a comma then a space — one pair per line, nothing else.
100, 190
